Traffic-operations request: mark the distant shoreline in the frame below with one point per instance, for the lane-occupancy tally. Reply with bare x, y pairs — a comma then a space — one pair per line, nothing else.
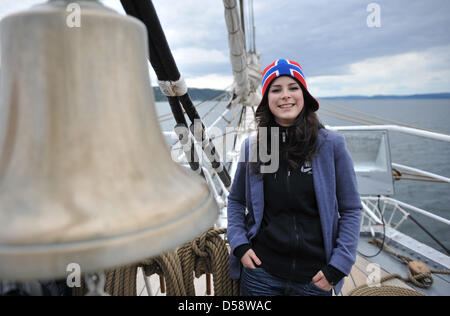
378, 97
195, 94
206, 94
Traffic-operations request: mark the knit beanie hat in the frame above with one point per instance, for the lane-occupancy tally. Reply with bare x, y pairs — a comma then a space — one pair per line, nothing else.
285, 67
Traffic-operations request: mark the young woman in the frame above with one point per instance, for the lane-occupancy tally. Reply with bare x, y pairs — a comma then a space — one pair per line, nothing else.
293, 230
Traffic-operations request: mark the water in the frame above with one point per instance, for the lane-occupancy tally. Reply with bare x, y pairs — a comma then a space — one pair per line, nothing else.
421, 153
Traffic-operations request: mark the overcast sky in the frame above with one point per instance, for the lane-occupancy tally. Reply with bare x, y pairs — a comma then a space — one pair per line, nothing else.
409, 53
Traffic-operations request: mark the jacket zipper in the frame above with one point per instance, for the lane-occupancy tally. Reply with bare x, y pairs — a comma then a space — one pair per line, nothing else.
288, 188
296, 244
288, 185
288, 182
296, 231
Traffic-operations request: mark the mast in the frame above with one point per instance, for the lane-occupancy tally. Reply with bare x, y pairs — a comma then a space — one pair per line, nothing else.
245, 65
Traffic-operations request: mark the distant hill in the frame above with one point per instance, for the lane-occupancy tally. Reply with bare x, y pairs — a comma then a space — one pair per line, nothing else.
414, 96
195, 94
206, 94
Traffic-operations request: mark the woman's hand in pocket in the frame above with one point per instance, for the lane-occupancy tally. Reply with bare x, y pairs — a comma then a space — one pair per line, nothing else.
321, 281
250, 260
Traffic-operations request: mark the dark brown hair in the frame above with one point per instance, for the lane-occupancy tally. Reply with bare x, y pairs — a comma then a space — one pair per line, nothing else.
302, 139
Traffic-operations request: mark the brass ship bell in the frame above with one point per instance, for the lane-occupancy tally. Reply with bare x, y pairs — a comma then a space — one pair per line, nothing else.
86, 176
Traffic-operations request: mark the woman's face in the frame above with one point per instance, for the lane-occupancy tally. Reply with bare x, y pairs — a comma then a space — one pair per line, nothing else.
285, 100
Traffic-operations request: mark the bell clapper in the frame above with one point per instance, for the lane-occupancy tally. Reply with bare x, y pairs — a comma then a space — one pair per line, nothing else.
95, 283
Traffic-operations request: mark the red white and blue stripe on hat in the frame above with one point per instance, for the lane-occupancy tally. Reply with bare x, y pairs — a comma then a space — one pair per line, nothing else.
285, 67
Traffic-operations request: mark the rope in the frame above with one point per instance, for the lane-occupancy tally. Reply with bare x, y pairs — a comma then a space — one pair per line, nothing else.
206, 254
121, 281
339, 118
212, 108
352, 116
398, 175
385, 290
169, 116
420, 279
171, 268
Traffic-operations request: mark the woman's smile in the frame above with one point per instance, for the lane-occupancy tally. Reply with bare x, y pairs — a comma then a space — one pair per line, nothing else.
286, 106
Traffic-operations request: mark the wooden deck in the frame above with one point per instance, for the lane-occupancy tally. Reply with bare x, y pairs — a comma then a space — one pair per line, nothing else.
363, 272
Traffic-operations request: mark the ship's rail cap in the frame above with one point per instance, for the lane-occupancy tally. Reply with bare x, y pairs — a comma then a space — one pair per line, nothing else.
394, 128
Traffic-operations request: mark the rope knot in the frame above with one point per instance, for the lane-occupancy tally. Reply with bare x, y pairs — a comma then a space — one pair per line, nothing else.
199, 246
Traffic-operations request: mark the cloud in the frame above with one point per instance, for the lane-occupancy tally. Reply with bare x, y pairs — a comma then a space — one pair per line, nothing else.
196, 33
425, 71
331, 39
193, 22
212, 81
327, 36
195, 56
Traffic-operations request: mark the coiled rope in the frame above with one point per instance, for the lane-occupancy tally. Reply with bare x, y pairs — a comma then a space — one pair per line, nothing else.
385, 290
167, 265
208, 254
205, 254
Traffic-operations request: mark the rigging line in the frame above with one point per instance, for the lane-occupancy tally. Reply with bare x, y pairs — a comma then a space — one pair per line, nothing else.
339, 118
232, 119
400, 173
378, 117
384, 232
422, 176
351, 116
213, 138
142, 291
177, 146
353, 280
366, 114
212, 108
166, 119
429, 234
214, 98
241, 11
203, 103
168, 116
248, 23
419, 179
252, 30
245, 24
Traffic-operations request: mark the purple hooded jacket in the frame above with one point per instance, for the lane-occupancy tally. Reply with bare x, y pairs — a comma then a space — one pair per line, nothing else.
337, 198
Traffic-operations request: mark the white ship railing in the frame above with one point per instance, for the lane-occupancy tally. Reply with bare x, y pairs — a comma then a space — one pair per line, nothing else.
394, 128
371, 208
392, 213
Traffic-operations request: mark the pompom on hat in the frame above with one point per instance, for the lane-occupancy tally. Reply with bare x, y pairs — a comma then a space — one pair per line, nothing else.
285, 67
